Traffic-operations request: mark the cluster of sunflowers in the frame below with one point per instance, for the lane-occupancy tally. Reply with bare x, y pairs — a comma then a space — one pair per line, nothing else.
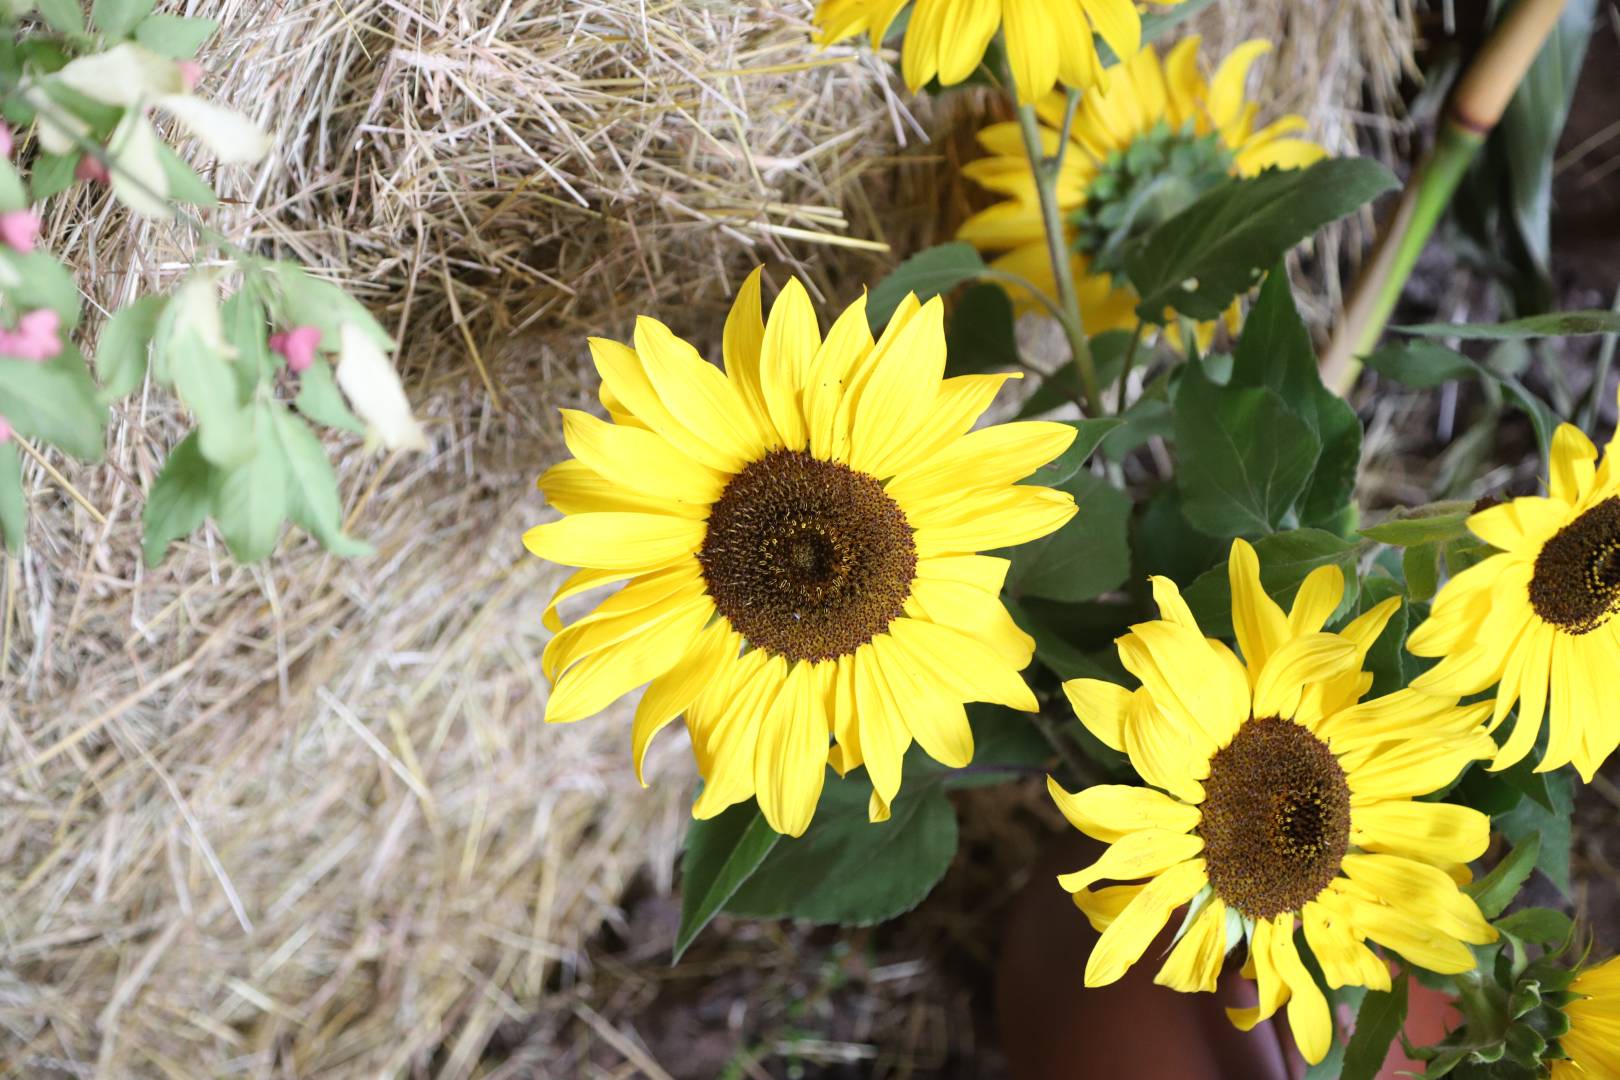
801, 538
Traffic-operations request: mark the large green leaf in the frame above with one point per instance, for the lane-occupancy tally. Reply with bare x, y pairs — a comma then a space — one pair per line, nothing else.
54, 401
1553, 324
1087, 557
175, 36
179, 499
1245, 458
1378, 1023
981, 334
928, 273
1198, 261
1286, 559
851, 871
1275, 351
1496, 890
721, 854
1549, 822
13, 502
116, 18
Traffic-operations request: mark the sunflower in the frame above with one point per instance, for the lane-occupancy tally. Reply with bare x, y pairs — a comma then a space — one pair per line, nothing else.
1593, 1040
1048, 41
1284, 803
799, 534
1141, 150
1537, 619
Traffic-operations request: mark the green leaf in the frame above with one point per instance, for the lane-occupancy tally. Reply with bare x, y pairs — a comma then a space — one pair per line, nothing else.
184, 185
63, 16
51, 174
42, 282
1539, 926
116, 18
1245, 458
313, 501
1420, 364
13, 502
928, 273
125, 342
1061, 469
1555, 324
179, 499
321, 401
1532, 817
1421, 566
1386, 659
251, 498
1496, 890
1087, 557
1198, 261
190, 352
1439, 523
1541, 416
1275, 351
980, 336
721, 854
13, 196
174, 36
247, 329
1379, 1021
851, 871
1286, 559
54, 401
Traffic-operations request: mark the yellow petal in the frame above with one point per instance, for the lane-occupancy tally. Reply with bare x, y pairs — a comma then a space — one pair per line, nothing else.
849, 340
575, 488
1424, 830
1136, 855
1107, 812
1258, 623
1308, 1016
965, 29
1101, 707
935, 719
990, 457
884, 736
1102, 906
1534, 663
986, 572
960, 402
1317, 600
1172, 608
1409, 936
1423, 891
1271, 988
580, 581
1167, 754
638, 459
743, 338
698, 394
970, 669
1226, 88
1200, 688
668, 695
1129, 935
625, 379
622, 615
1194, 964
616, 541
725, 723
1302, 660
1032, 41
790, 758
791, 340
1116, 22
586, 688
972, 611
1573, 464
1344, 960
1007, 518
909, 368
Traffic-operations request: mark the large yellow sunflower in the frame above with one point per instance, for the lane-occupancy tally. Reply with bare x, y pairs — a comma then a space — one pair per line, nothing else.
1284, 803
798, 532
1048, 41
1593, 1039
1538, 619
1141, 150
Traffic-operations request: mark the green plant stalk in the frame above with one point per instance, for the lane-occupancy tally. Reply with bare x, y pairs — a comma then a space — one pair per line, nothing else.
1420, 210
1045, 172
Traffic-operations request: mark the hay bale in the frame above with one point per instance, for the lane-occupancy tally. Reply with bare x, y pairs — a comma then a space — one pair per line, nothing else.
303, 818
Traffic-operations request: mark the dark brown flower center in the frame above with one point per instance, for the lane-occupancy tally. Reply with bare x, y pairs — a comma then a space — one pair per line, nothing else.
1576, 585
808, 559
1276, 818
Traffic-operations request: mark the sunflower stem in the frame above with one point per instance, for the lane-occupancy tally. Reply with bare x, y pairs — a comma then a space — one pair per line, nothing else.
1045, 171
1125, 366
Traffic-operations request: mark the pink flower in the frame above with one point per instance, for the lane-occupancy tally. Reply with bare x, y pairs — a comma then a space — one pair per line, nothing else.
5, 140
19, 229
5, 431
91, 169
35, 337
298, 345
191, 73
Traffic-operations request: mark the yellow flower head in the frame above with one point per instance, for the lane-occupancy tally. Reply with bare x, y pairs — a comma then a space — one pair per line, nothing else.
1538, 620
1284, 803
1593, 1039
1048, 41
798, 532
1141, 149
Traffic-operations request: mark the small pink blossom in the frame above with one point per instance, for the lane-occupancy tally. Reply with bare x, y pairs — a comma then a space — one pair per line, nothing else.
191, 73
35, 337
19, 229
91, 169
5, 431
5, 140
298, 345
